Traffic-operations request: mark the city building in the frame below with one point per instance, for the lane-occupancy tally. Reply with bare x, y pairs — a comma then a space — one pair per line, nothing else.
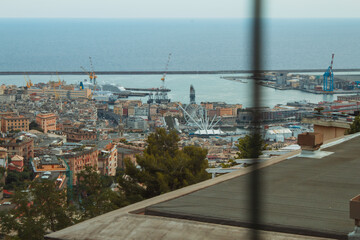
48, 163
277, 134
137, 123
118, 109
129, 152
47, 121
329, 128
16, 164
220, 111
81, 157
61, 93
14, 123
75, 134
108, 159
22, 146
244, 116
7, 98
349, 98
3, 158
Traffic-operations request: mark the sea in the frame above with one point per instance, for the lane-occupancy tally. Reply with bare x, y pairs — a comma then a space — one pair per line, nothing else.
195, 44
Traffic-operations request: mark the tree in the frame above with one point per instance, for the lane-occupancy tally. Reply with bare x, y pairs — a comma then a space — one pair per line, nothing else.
41, 208
250, 146
17, 179
23, 219
94, 195
355, 126
52, 204
35, 126
163, 167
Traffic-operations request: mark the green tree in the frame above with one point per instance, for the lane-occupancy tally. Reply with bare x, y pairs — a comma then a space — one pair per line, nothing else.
94, 195
52, 204
16, 179
250, 146
35, 126
40, 208
163, 167
355, 126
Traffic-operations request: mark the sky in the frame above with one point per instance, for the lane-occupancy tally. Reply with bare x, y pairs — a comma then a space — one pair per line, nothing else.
177, 8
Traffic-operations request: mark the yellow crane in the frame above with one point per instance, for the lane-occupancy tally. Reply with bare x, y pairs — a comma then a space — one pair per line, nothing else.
29, 84
166, 68
91, 77
92, 72
57, 96
87, 72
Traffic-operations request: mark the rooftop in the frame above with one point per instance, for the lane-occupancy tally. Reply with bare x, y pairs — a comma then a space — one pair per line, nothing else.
303, 197
49, 160
15, 117
300, 195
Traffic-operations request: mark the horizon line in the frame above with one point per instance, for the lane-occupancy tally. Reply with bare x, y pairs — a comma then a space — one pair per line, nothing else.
182, 18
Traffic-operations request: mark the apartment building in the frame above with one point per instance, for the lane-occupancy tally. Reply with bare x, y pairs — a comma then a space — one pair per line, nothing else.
17, 163
21, 146
107, 160
80, 158
79, 134
14, 123
47, 121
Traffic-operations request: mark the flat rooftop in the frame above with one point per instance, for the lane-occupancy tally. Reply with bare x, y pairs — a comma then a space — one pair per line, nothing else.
301, 195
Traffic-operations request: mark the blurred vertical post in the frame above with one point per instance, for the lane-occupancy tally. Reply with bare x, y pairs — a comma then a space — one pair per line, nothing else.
255, 183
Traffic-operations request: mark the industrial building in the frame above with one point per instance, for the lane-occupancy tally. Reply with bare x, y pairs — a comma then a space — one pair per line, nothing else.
61, 93
277, 134
244, 116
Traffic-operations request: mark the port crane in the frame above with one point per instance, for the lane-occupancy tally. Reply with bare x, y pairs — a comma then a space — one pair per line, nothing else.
29, 84
92, 77
92, 72
58, 84
166, 68
328, 81
161, 96
87, 73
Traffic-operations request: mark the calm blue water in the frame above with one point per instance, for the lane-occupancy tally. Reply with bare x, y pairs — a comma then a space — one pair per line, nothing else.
139, 45
66, 44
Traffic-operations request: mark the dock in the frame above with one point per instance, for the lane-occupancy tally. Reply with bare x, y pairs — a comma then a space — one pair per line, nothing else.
149, 89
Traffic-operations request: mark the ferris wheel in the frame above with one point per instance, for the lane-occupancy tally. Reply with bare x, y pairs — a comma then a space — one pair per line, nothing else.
194, 114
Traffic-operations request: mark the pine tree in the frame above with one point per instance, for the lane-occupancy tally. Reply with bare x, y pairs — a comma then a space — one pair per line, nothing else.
94, 197
163, 167
355, 126
40, 208
250, 146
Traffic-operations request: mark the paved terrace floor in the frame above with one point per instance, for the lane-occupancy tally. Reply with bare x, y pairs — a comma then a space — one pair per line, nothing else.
300, 196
